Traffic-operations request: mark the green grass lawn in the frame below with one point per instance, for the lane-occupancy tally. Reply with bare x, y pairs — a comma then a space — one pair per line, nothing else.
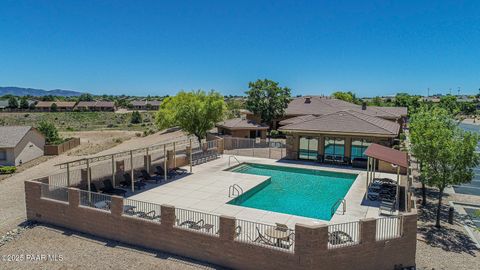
79, 121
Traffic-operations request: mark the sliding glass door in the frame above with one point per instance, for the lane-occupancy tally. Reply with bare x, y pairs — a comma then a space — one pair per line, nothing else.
334, 147
308, 148
358, 148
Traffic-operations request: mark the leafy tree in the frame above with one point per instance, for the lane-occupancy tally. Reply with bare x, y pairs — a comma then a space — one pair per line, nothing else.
267, 99
24, 103
136, 118
446, 152
195, 112
48, 98
12, 102
468, 108
409, 101
233, 107
345, 96
377, 101
85, 97
450, 104
50, 132
54, 107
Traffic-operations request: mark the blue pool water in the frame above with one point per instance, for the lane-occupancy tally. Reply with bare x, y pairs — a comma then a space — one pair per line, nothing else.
295, 191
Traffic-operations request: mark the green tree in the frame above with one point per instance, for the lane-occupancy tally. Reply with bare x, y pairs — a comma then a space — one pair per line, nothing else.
50, 132
450, 104
446, 152
195, 112
409, 101
267, 99
136, 118
12, 102
345, 96
85, 97
377, 101
233, 107
54, 107
24, 103
48, 98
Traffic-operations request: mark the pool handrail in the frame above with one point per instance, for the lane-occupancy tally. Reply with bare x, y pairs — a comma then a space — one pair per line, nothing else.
338, 202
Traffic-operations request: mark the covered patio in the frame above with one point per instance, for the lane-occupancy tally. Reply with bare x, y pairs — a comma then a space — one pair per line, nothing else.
385, 159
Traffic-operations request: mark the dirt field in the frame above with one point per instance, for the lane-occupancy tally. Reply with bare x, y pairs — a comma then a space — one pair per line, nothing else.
71, 250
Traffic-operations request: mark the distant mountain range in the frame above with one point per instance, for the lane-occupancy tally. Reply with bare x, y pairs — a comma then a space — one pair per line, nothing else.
20, 91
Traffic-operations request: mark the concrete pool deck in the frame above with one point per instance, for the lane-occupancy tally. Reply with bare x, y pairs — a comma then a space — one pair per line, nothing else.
206, 190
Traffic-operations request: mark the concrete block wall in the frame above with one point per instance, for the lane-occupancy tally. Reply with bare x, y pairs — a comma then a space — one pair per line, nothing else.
311, 242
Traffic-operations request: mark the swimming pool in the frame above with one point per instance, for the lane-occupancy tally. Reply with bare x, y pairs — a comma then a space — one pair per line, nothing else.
295, 191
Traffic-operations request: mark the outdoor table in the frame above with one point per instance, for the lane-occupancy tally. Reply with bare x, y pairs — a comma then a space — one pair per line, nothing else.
277, 234
128, 208
102, 204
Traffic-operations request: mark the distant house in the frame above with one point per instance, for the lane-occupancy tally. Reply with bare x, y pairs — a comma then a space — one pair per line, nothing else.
3, 105
20, 144
245, 126
143, 105
62, 106
95, 106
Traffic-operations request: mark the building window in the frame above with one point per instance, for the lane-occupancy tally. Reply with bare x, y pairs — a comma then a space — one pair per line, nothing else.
3, 155
308, 148
359, 146
334, 147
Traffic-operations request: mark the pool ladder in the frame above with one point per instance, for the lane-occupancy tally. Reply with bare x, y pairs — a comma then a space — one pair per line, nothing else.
338, 203
234, 189
230, 157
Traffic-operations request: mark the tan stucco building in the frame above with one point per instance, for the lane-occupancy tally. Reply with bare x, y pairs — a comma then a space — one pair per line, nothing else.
245, 126
20, 144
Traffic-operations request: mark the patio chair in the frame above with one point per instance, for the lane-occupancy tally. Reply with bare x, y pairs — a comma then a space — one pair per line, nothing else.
262, 239
179, 171
152, 215
339, 237
127, 182
161, 172
147, 177
109, 189
387, 205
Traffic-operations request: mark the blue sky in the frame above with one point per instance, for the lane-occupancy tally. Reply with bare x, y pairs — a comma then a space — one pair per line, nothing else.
313, 47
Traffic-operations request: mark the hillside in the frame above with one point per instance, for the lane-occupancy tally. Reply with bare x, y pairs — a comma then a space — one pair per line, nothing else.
20, 91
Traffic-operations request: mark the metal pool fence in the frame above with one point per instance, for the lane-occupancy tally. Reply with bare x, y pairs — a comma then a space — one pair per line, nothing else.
389, 228
54, 192
140, 209
343, 234
274, 149
278, 237
197, 221
95, 200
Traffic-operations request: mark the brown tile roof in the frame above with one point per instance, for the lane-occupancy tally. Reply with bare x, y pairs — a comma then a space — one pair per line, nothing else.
297, 119
95, 104
48, 104
138, 103
319, 105
240, 123
387, 154
347, 121
154, 102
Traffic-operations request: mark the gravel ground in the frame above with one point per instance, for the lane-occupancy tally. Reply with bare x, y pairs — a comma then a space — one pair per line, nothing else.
71, 250
12, 208
449, 247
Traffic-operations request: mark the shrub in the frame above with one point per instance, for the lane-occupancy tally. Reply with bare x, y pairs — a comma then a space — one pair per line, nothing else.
50, 132
136, 118
7, 169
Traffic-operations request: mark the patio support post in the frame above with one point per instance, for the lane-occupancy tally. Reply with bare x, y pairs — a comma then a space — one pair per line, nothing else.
68, 174
398, 189
253, 148
174, 156
190, 155
88, 174
269, 151
113, 170
165, 161
131, 171
374, 169
368, 175
148, 160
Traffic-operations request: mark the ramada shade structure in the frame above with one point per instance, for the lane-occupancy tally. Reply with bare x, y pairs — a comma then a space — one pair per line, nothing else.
387, 154
395, 157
